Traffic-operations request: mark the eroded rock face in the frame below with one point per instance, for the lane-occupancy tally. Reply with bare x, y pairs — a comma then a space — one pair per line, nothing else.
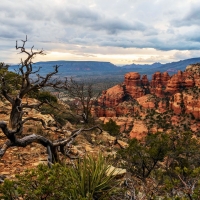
159, 79
132, 79
161, 85
187, 79
112, 96
174, 84
145, 80
139, 130
156, 79
133, 85
176, 105
179, 93
125, 123
146, 102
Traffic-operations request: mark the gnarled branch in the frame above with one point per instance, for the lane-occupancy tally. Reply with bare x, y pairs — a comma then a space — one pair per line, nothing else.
34, 138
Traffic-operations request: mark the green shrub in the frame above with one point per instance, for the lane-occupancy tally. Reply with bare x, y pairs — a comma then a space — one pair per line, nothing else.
12, 80
60, 118
45, 95
42, 96
60, 115
86, 180
111, 127
142, 157
40, 183
91, 177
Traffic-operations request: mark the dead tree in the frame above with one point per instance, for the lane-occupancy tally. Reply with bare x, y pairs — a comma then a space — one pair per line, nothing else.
52, 146
25, 85
84, 96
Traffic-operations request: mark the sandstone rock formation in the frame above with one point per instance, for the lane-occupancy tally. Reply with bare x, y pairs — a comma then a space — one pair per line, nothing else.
139, 130
132, 85
179, 93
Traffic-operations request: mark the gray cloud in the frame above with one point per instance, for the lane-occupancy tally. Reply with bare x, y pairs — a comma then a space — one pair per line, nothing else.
87, 18
191, 18
61, 25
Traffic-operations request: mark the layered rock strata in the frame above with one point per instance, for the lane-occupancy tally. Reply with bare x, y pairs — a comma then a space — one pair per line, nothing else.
179, 93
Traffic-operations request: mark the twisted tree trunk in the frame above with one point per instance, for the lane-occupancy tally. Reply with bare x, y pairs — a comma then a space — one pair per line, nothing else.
16, 113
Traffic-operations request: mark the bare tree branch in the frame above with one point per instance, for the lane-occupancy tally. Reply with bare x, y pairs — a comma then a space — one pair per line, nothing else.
27, 84
33, 138
85, 95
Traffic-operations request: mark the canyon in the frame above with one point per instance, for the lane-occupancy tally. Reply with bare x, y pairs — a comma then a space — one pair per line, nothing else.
135, 103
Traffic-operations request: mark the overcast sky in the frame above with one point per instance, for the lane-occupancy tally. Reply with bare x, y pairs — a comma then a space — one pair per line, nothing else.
118, 31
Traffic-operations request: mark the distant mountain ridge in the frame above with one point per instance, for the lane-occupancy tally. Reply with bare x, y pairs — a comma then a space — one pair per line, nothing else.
156, 64
73, 67
180, 65
80, 65
100, 68
171, 68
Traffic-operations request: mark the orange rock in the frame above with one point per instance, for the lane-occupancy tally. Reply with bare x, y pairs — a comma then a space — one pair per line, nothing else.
139, 130
132, 79
132, 84
146, 101
161, 93
176, 103
156, 79
145, 80
112, 96
189, 82
174, 84
162, 107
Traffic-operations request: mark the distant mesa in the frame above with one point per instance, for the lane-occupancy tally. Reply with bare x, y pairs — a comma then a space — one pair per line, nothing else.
94, 67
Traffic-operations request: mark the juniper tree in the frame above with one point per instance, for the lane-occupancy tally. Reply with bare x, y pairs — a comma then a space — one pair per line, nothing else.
24, 85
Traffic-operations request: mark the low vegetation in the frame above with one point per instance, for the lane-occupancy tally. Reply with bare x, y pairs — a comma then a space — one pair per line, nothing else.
87, 179
111, 127
164, 165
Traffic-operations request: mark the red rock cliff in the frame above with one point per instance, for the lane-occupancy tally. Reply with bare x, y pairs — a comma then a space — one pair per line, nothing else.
179, 93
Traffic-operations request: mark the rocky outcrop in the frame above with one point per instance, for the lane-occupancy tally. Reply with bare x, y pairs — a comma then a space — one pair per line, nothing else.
159, 79
145, 81
139, 130
133, 85
146, 101
112, 96
175, 83
125, 123
132, 79
179, 93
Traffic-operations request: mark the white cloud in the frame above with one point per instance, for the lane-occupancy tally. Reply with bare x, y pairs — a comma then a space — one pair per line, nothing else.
122, 27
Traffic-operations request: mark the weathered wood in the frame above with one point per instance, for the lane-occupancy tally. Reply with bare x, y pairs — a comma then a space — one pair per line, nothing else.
52, 147
85, 95
16, 115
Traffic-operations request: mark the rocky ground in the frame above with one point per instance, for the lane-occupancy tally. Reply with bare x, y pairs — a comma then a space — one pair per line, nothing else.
18, 159
138, 106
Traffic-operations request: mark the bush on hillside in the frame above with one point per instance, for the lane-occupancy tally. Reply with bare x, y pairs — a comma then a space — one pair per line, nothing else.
86, 180
166, 165
11, 78
42, 96
111, 127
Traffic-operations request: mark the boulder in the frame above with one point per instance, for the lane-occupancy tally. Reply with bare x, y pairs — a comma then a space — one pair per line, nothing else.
114, 171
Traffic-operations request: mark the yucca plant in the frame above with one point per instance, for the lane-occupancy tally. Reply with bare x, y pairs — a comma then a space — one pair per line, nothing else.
93, 178
87, 180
